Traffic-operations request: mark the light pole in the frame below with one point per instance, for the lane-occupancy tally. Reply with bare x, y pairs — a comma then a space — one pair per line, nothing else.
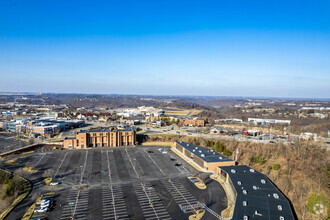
150, 199
81, 167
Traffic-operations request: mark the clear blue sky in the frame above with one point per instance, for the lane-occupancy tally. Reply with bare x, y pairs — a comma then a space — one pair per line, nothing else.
223, 48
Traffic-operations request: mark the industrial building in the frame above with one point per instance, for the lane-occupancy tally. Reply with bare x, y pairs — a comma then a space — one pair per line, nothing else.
102, 138
262, 121
256, 196
205, 158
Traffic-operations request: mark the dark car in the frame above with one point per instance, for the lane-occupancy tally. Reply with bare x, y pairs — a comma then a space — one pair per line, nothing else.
150, 152
173, 159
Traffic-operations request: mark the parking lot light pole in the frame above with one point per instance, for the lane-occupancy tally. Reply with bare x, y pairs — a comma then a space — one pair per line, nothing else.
150, 199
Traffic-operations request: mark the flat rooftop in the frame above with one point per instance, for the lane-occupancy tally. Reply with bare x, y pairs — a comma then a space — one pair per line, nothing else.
257, 196
105, 130
206, 154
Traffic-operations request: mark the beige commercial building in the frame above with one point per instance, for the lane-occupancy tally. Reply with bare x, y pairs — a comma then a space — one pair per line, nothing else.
205, 158
101, 138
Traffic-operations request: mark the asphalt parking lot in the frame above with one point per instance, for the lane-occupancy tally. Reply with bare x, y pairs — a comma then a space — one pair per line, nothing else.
9, 142
117, 183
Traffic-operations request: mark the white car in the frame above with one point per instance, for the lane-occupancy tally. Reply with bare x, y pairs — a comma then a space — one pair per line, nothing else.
164, 152
41, 210
54, 183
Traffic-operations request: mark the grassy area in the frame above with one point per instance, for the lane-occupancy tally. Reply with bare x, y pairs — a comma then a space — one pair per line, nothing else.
200, 213
55, 141
158, 143
30, 169
28, 152
12, 161
48, 180
14, 203
177, 113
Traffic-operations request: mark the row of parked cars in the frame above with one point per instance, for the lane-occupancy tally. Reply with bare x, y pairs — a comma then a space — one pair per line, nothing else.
44, 205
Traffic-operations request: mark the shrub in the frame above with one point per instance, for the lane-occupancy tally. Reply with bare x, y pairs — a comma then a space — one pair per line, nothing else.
276, 166
270, 167
315, 199
258, 159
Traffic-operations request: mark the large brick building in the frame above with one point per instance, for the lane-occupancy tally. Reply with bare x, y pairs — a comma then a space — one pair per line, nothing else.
101, 138
195, 122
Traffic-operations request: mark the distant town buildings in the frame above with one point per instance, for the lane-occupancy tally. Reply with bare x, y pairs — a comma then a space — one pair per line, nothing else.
111, 137
44, 126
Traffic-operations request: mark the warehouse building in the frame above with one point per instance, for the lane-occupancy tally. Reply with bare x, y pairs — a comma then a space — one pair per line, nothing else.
205, 158
256, 196
102, 138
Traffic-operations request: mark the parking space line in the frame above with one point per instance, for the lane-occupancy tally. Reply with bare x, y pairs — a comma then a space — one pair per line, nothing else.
179, 193
149, 201
133, 165
155, 162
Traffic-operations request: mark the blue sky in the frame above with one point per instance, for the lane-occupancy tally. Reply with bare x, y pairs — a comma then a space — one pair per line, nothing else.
217, 48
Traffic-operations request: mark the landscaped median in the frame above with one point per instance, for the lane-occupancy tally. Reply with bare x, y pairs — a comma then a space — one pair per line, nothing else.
29, 213
30, 169
48, 180
199, 214
198, 182
11, 161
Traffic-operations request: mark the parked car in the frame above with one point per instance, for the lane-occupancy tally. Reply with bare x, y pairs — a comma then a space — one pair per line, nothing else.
54, 183
41, 210
189, 133
150, 152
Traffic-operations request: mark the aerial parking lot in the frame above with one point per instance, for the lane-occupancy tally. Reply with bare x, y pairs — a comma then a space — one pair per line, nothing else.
116, 183
9, 141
